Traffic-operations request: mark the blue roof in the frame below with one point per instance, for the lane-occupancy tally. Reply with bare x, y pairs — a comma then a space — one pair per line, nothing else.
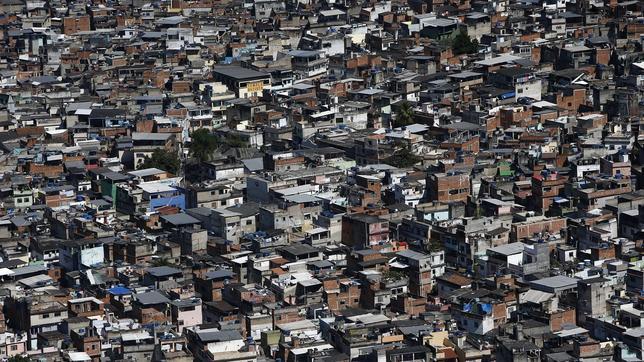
120, 291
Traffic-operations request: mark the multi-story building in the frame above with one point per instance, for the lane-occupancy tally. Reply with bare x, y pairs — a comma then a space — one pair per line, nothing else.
35, 315
244, 82
364, 231
81, 254
308, 64
419, 271
448, 187
546, 187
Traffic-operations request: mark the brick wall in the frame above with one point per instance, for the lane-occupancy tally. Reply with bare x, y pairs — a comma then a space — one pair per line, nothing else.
181, 112
525, 230
339, 298
281, 316
357, 62
586, 349
113, 132
560, 318
602, 56
30, 131
512, 117
51, 171
535, 55
145, 125
603, 253
571, 100
181, 87
634, 30
471, 145
75, 24
150, 315
440, 188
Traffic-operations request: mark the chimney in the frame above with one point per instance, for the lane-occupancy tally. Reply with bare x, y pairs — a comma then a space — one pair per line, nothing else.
518, 331
460, 339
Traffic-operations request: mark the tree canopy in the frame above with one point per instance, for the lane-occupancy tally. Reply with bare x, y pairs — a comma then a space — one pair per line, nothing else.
163, 261
163, 159
19, 358
203, 144
404, 115
463, 44
403, 158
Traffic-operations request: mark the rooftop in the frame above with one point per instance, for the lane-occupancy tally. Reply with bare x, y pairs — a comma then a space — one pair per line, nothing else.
239, 73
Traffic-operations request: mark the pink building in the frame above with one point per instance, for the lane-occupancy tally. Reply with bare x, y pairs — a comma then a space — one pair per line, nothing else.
12, 344
186, 313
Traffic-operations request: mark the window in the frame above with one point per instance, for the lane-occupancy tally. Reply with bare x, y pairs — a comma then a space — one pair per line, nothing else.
14, 347
249, 222
45, 315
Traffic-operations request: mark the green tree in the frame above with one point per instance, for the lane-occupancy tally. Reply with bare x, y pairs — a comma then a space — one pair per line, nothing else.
434, 246
161, 262
463, 44
403, 158
203, 144
19, 358
235, 141
164, 160
393, 274
404, 115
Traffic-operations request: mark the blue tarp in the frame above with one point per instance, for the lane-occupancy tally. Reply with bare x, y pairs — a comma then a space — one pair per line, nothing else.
507, 95
120, 291
486, 307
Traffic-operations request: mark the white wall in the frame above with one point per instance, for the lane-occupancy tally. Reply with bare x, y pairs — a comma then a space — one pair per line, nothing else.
92, 256
530, 89
227, 346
